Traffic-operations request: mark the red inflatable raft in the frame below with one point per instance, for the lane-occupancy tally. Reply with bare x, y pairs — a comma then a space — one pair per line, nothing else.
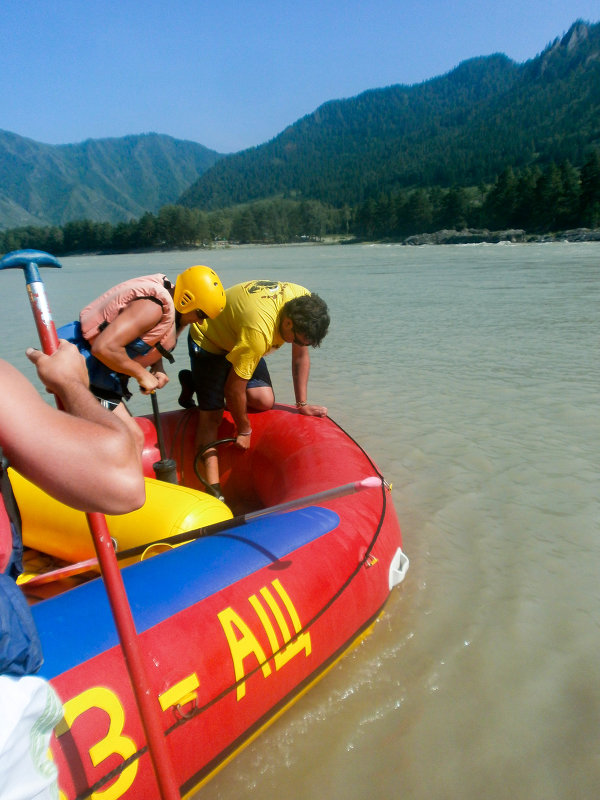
234, 624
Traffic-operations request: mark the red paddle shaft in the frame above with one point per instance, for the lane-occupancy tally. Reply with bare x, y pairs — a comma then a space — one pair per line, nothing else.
29, 260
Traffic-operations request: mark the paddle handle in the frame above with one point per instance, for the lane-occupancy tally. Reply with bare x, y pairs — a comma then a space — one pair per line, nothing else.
41, 310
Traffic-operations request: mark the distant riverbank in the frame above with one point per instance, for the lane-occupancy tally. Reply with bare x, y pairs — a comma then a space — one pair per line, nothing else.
441, 237
450, 236
516, 236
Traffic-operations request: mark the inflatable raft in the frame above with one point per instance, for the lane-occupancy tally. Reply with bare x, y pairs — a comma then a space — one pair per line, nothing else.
235, 623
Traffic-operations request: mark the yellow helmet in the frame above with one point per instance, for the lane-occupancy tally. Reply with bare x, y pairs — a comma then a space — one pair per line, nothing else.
199, 288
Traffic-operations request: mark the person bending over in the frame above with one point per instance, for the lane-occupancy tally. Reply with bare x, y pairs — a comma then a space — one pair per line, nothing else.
132, 326
227, 358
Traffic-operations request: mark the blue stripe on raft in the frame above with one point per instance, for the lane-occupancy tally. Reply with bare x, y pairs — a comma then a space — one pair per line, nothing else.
78, 624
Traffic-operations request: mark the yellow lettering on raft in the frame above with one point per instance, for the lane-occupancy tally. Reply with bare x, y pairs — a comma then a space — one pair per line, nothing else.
241, 648
184, 691
113, 742
247, 644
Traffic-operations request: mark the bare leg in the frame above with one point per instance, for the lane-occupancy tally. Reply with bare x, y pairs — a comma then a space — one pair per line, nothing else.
260, 398
207, 431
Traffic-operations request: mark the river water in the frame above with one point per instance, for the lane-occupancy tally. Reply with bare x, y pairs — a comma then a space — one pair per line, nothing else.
470, 375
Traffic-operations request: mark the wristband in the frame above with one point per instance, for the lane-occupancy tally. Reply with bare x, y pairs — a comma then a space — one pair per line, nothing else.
301, 404
245, 433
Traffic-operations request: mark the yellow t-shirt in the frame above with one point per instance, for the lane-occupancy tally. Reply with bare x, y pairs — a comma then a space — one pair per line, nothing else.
248, 328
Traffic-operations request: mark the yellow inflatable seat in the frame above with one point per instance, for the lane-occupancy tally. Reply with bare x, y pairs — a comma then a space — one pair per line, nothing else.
63, 532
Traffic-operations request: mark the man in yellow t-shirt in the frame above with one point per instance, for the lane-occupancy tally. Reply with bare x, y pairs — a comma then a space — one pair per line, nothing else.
227, 357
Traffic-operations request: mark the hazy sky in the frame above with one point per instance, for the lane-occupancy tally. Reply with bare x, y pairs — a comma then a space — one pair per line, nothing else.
231, 75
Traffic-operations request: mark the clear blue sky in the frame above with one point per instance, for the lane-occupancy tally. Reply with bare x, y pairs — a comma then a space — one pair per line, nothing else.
231, 74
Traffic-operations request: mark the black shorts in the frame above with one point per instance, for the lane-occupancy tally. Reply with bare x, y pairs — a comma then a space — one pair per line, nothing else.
210, 371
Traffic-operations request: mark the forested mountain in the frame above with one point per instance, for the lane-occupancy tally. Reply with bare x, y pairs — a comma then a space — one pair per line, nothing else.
100, 179
461, 129
492, 145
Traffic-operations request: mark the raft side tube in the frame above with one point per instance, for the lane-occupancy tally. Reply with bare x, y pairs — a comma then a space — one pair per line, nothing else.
170, 582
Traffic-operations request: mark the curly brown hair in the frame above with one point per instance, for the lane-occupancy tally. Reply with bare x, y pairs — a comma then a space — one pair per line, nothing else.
309, 316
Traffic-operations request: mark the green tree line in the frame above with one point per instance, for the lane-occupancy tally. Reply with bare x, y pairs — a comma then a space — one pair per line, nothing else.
270, 221
535, 199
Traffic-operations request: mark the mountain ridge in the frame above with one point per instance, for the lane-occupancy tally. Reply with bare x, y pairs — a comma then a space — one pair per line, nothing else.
461, 128
112, 180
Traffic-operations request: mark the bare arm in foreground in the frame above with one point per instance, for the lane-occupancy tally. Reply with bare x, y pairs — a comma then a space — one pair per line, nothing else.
83, 456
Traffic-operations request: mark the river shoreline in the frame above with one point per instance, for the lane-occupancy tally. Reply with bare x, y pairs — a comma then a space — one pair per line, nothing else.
442, 237
512, 236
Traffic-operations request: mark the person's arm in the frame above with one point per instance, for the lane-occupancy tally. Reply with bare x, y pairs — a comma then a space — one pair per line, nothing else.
83, 456
132, 323
300, 373
235, 396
